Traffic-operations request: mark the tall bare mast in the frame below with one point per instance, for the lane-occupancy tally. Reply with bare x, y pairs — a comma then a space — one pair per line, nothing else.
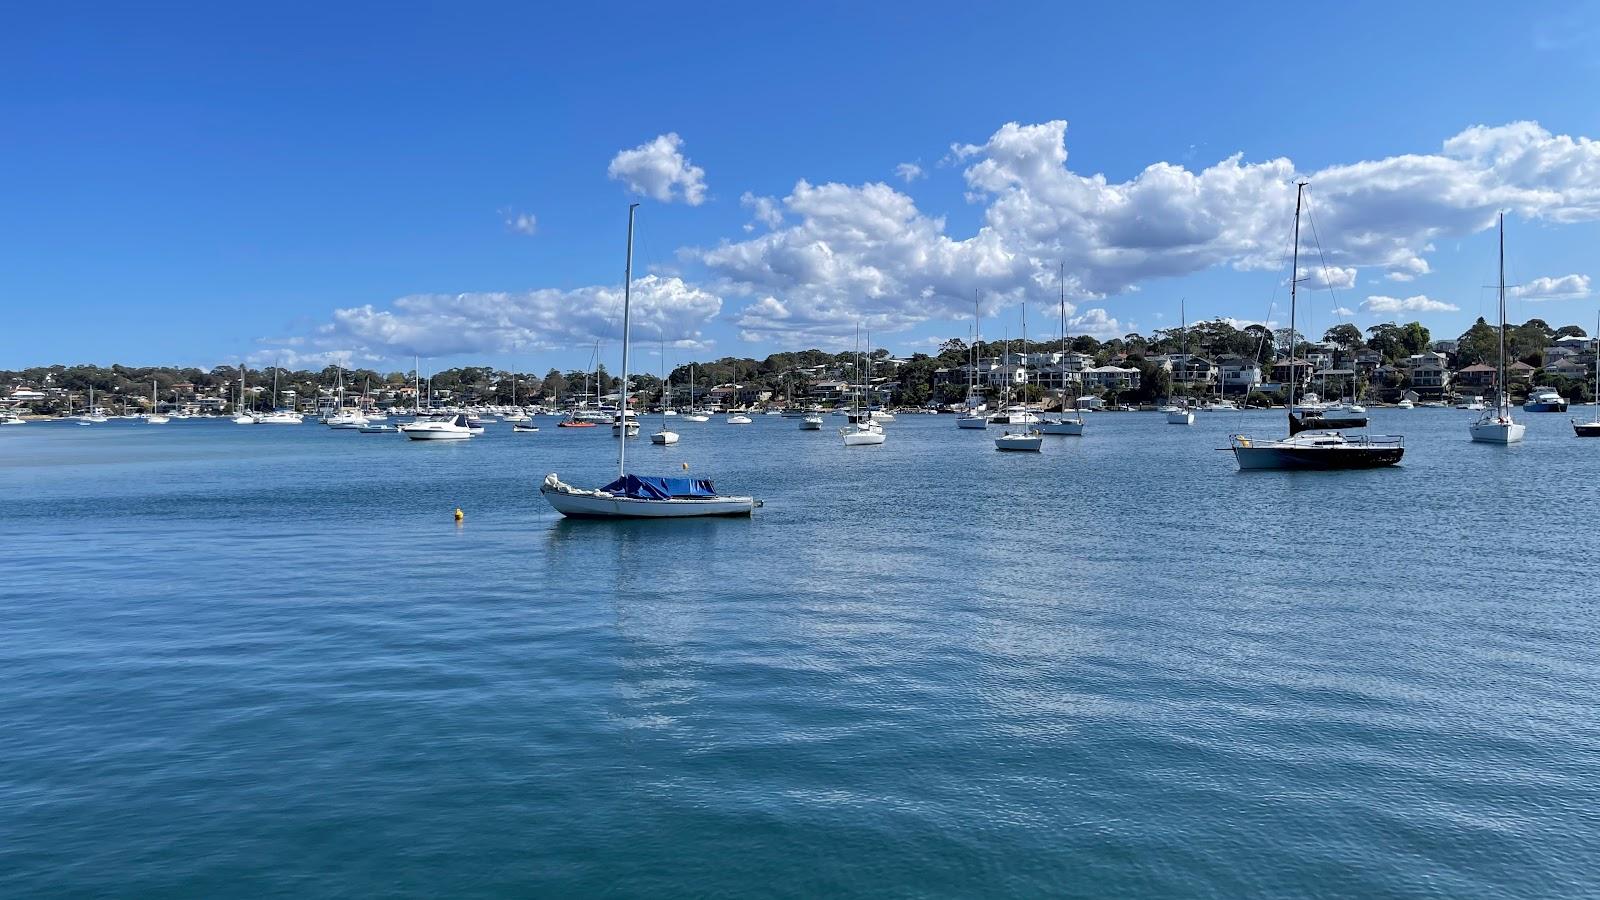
627, 296
1503, 402
1294, 282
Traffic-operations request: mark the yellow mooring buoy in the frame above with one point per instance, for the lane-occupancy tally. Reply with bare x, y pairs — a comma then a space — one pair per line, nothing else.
459, 514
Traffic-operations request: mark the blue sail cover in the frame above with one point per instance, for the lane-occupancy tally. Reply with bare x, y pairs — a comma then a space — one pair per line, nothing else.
653, 487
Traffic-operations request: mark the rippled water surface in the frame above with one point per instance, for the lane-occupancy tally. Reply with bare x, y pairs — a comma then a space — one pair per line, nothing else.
264, 661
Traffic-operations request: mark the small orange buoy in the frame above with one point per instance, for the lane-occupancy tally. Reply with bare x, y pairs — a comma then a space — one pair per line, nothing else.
459, 514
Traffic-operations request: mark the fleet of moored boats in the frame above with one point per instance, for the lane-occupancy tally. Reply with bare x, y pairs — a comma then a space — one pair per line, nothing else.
1314, 440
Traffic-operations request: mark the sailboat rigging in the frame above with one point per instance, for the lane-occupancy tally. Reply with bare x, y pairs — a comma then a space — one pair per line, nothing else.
1305, 448
640, 496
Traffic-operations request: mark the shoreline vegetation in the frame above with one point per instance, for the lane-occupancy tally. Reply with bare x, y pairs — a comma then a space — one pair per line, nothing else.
1379, 362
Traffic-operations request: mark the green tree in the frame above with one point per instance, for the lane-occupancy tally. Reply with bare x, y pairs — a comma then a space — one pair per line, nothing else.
1346, 336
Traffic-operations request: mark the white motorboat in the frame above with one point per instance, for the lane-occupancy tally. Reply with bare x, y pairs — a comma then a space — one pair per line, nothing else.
1475, 404
244, 419
280, 417
739, 419
634, 496
378, 428
882, 415
438, 428
9, 417
696, 417
526, 426
1544, 399
1496, 426
1405, 404
1180, 415
812, 422
1032, 439
631, 423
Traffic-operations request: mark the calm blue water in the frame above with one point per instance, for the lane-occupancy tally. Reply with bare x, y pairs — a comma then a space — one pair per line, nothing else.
266, 662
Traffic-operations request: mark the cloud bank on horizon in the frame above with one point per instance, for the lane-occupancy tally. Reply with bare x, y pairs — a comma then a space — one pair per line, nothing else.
814, 264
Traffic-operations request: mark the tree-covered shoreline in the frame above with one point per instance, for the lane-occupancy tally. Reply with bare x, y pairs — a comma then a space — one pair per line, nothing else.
914, 380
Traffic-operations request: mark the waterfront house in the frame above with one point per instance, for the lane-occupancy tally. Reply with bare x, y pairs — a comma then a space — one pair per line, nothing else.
1113, 377
1285, 370
1238, 375
1429, 374
1475, 376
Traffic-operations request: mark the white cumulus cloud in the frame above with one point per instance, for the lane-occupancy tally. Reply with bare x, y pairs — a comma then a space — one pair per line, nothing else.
764, 210
1567, 287
908, 172
497, 322
659, 170
849, 253
1419, 303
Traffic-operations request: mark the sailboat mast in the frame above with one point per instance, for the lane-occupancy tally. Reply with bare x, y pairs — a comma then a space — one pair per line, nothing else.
627, 312
1294, 282
1503, 402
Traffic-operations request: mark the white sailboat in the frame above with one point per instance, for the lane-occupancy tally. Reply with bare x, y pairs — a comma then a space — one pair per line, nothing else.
1179, 412
155, 417
863, 430
694, 414
1070, 422
975, 412
665, 436
1592, 428
93, 415
635, 496
1027, 439
243, 416
1496, 426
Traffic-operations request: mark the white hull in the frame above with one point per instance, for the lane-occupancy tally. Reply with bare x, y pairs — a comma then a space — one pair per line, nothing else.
436, 435
664, 437
697, 418
1033, 442
739, 420
1498, 432
591, 506
1180, 417
811, 423
972, 422
1072, 428
156, 420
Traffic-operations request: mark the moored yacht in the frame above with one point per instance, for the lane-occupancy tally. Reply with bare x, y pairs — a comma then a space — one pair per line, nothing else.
1313, 448
1544, 399
1496, 426
636, 496
438, 428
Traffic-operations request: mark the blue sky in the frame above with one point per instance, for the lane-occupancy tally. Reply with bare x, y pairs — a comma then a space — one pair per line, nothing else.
195, 183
